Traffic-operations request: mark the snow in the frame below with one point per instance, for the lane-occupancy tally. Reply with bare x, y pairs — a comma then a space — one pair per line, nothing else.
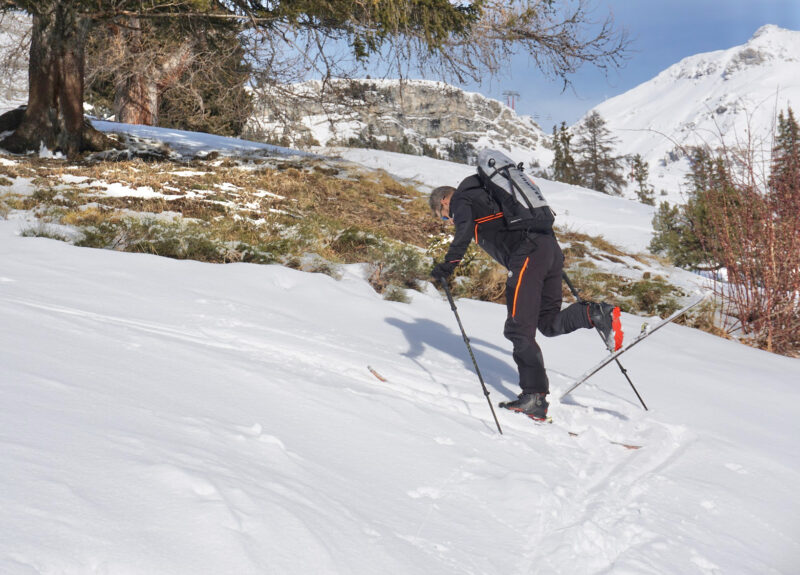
193, 143
164, 416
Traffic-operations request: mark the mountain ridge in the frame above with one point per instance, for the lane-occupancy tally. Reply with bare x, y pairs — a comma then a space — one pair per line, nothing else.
719, 98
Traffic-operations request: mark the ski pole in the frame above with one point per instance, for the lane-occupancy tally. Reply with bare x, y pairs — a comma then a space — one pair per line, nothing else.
469, 348
622, 369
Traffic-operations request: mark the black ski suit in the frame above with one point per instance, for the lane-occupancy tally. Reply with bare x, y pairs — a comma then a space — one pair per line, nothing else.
533, 289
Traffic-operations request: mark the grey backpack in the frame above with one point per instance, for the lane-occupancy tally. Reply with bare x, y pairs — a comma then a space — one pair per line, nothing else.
522, 202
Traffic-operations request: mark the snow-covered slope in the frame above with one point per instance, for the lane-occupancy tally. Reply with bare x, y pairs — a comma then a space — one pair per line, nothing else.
165, 416
14, 27
726, 96
624, 222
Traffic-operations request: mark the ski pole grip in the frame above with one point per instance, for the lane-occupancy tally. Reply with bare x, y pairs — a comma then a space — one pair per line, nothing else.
449, 295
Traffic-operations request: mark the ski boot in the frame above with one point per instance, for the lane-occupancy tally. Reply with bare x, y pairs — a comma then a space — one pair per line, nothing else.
605, 318
534, 405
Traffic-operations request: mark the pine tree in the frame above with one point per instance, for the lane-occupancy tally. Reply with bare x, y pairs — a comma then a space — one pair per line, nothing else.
786, 150
784, 180
462, 41
684, 233
598, 168
563, 167
640, 172
185, 73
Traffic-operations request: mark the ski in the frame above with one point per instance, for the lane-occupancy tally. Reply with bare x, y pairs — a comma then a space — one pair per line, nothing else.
647, 331
376, 374
620, 443
549, 419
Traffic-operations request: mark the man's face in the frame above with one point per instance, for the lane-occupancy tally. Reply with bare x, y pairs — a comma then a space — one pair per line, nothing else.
445, 213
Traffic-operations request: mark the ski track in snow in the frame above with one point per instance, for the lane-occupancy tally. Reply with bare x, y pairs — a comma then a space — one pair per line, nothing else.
551, 502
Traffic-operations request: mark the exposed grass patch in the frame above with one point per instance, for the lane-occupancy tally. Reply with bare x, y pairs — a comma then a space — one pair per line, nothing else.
9, 172
230, 212
574, 250
283, 211
599, 243
654, 296
43, 230
477, 277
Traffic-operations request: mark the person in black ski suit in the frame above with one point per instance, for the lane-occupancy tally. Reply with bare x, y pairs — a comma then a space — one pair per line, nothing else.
533, 290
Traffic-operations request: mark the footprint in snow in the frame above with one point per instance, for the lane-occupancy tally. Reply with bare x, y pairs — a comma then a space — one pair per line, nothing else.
184, 481
425, 492
735, 467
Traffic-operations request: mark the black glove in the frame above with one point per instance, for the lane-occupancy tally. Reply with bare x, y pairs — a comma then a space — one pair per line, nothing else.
443, 270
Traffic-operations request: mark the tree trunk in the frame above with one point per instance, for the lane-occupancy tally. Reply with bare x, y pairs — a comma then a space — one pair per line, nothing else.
54, 116
135, 90
136, 101
138, 86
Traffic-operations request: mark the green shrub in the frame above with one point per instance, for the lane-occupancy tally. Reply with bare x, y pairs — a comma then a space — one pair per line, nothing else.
42, 230
395, 293
653, 296
478, 276
353, 245
404, 266
102, 235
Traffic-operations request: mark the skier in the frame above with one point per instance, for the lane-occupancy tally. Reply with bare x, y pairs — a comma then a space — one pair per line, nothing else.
533, 290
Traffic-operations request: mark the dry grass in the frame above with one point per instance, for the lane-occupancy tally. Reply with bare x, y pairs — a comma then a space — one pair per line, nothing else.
272, 211
281, 211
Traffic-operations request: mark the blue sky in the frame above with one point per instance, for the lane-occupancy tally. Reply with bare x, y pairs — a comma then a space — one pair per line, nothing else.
662, 33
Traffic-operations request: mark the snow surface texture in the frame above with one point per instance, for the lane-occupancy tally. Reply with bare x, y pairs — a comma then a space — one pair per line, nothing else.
165, 416
728, 97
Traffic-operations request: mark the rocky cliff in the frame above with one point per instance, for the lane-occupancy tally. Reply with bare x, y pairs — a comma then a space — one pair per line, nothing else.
413, 116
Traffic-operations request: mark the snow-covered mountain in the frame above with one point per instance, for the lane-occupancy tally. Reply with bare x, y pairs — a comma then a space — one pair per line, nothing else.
726, 96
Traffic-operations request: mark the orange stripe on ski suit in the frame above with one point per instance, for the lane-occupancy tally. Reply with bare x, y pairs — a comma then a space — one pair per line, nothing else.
485, 219
519, 283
